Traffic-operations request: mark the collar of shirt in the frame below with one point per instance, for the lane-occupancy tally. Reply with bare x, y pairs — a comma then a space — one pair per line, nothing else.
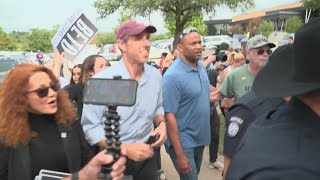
122, 70
186, 66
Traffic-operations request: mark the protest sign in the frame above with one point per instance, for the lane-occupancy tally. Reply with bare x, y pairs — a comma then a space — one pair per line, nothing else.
74, 35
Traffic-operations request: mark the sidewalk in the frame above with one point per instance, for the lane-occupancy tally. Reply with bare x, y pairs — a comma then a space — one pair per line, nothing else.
205, 172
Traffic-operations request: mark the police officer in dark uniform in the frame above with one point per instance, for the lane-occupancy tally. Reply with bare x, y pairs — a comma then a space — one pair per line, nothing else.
250, 106
284, 144
240, 116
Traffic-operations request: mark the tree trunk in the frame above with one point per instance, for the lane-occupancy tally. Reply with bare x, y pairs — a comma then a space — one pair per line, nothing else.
177, 33
178, 29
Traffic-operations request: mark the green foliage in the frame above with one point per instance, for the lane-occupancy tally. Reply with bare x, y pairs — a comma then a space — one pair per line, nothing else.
4, 41
266, 28
311, 4
20, 41
40, 39
161, 36
182, 11
196, 21
236, 29
293, 24
123, 17
25, 41
105, 38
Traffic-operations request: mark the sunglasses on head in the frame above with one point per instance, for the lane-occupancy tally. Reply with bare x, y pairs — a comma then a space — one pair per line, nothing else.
44, 91
188, 31
261, 51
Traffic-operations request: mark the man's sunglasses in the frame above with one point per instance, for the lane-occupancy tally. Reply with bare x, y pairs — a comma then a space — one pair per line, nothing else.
188, 31
44, 91
261, 51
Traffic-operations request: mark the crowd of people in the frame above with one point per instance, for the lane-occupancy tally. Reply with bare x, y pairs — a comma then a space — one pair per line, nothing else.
270, 101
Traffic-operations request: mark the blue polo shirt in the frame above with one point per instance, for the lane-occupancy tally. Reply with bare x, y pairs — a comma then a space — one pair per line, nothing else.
186, 92
136, 122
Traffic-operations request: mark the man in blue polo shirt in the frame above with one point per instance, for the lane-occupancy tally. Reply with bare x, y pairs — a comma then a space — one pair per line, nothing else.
186, 94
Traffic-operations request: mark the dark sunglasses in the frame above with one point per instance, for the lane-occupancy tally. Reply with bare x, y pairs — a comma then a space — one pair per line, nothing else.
261, 51
44, 91
188, 31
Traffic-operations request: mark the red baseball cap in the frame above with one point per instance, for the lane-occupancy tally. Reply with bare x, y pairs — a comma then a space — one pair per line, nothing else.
132, 27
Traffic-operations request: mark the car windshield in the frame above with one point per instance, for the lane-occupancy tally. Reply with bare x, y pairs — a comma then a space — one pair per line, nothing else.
5, 66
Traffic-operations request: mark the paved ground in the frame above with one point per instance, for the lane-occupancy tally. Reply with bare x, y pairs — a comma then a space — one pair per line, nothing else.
205, 172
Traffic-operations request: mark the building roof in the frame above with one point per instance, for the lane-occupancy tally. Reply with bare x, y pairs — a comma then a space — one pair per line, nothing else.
219, 21
262, 13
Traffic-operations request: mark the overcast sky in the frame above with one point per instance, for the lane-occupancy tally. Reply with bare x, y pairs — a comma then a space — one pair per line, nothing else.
21, 15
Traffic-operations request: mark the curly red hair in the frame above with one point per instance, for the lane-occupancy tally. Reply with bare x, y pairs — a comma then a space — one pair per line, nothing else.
14, 125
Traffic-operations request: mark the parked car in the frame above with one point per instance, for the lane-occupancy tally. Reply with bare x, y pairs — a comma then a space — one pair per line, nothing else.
5, 66
217, 40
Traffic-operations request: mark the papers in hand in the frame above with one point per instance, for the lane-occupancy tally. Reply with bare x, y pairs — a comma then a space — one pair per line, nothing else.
51, 175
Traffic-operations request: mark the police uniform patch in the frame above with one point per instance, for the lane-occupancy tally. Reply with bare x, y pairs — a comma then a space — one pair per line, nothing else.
233, 129
234, 126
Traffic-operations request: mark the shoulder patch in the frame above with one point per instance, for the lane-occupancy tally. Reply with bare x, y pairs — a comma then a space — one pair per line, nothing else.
233, 129
234, 126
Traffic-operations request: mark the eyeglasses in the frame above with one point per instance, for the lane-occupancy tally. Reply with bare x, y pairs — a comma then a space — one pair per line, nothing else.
261, 51
44, 91
188, 31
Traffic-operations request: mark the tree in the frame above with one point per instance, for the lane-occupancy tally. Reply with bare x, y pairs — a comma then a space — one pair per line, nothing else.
181, 10
161, 36
20, 40
196, 21
266, 28
40, 39
253, 25
293, 24
123, 17
105, 38
311, 4
236, 29
6, 42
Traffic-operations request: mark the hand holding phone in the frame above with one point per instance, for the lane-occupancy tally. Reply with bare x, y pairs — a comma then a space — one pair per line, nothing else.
153, 139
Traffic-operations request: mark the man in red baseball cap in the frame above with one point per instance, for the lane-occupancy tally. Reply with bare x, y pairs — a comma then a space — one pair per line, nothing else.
133, 28
141, 121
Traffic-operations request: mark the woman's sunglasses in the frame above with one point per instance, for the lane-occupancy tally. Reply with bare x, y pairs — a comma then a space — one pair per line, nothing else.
261, 51
44, 91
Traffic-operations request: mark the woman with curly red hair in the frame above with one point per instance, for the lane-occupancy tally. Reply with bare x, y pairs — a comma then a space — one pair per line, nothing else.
37, 126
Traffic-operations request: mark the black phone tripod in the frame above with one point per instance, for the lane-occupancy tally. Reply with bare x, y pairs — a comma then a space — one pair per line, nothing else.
111, 122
